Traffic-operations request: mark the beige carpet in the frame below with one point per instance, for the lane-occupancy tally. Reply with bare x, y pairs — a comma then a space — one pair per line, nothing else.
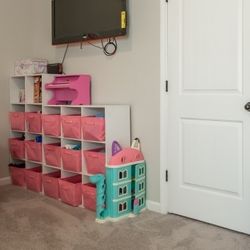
30, 221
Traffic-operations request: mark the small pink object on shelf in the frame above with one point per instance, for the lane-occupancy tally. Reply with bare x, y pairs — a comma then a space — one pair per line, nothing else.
89, 196
17, 148
17, 176
95, 160
51, 184
33, 122
33, 150
70, 190
52, 154
93, 128
51, 125
33, 178
71, 126
71, 160
70, 90
17, 121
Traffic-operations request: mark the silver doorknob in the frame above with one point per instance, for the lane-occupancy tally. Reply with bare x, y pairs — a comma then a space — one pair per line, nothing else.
247, 107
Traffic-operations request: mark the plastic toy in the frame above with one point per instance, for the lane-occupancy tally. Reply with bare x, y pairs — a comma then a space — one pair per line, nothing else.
122, 191
70, 89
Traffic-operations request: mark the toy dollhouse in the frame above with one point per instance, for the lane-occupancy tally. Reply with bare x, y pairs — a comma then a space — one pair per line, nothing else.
122, 191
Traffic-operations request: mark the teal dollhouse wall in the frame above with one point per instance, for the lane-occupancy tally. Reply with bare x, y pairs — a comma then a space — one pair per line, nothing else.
125, 184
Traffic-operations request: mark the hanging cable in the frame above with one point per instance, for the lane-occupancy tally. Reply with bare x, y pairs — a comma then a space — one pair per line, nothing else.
65, 53
109, 48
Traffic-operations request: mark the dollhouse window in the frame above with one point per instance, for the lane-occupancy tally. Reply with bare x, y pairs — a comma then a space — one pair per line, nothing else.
141, 201
123, 174
120, 207
123, 206
123, 190
141, 186
141, 171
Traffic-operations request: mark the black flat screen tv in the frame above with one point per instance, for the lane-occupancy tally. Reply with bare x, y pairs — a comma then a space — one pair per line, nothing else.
78, 20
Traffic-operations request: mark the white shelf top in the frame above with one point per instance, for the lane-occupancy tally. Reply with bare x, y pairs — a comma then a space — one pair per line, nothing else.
17, 103
18, 131
101, 142
19, 76
71, 171
36, 162
49, 166
37, 104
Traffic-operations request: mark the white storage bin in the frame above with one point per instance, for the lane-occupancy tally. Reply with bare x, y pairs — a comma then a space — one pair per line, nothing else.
30, 67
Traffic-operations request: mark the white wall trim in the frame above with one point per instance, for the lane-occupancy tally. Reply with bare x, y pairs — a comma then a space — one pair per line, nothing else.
5, 181
163, 108
154, 206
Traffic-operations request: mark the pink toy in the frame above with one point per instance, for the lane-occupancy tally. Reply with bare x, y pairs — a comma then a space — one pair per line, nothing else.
71, 126
70, 190
17, 120
17, 148
70, 89
52, 154
126, 155
33, 178
34, 122
51, 184
89, 196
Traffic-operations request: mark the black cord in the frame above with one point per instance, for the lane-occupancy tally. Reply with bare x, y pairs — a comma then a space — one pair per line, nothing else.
111, 42
65, 53
96, 46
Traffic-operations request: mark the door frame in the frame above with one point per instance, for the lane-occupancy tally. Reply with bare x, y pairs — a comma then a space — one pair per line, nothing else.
164, 190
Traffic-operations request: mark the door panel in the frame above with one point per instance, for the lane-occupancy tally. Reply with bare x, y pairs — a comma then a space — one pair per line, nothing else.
212, 150
208, 127
213, 30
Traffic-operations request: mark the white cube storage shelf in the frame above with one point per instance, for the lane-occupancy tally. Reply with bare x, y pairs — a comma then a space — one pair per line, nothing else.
117, 123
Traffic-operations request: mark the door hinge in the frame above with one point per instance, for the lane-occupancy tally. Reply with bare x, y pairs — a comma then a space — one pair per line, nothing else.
166, 176
166, 86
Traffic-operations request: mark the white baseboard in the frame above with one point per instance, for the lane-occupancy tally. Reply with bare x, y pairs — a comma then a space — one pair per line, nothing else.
154, 206
5, 181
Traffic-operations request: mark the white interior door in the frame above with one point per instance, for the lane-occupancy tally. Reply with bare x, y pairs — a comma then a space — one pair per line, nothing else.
208, 127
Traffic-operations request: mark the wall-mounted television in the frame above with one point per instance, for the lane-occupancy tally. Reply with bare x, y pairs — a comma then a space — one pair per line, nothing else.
78, 20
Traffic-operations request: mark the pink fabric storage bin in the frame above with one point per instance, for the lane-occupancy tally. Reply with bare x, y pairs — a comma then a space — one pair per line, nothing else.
33, 151
51, 184
52, 154
33, 178
89, 196
71, 126
17, 120
17, 176
93, 128
95, 160
71, 160
17, 148
70, 190
33, 122
51, 124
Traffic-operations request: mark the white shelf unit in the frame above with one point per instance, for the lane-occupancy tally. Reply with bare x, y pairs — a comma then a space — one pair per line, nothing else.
117, 123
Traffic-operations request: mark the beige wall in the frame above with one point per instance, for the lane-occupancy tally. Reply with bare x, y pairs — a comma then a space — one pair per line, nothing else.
16, 34
132, 76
